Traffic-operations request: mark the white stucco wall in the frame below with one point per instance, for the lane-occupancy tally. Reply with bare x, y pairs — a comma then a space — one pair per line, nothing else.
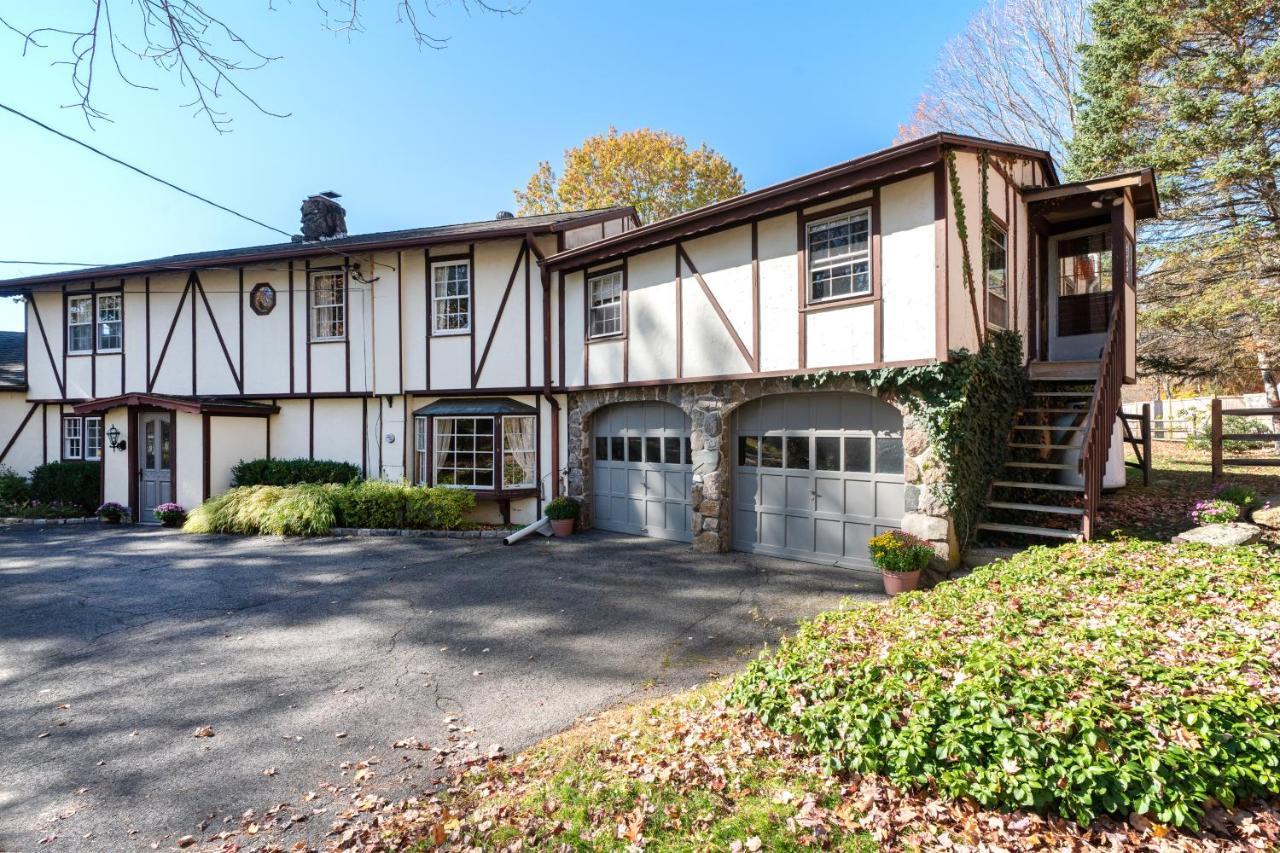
232, 440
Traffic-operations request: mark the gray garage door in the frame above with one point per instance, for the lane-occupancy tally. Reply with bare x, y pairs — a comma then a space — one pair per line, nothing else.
642, 475
816, 475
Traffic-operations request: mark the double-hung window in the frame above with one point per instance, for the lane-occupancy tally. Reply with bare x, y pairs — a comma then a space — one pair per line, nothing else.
80, 324
110, 322
997, 278
451, 298
82, 438
839, 256
463, 452
606, 304
518, 452
328, 306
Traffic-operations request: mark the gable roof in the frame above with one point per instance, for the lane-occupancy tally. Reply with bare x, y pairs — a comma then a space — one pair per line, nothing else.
805, 190
489, 229
13, 360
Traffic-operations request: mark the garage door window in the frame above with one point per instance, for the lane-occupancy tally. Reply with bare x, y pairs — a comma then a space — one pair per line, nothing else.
795, 453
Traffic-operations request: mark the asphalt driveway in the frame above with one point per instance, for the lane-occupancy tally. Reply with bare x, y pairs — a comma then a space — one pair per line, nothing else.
117, 645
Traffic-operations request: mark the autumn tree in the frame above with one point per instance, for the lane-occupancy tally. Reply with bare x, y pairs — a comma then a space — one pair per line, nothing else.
1193, 89
190, 40
652, 170
1013, 74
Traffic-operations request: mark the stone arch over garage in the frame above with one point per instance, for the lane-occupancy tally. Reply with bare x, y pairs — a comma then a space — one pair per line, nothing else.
710, 407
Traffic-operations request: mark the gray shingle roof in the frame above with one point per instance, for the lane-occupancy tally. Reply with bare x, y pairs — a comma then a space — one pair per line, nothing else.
13, 363
489, 228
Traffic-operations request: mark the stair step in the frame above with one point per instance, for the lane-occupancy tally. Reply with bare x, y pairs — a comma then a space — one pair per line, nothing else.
1058, 510
1048, 487
1049, 427
1045, 446
1030, 530
1081, 394
1044, 466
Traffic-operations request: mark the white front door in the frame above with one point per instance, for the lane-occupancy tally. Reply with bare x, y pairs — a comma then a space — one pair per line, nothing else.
155, 458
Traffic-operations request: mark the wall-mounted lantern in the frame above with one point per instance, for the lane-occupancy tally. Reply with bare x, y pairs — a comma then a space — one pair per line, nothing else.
113, 438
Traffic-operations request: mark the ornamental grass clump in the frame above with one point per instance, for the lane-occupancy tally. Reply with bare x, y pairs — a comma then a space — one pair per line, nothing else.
1215, 511
1082, 680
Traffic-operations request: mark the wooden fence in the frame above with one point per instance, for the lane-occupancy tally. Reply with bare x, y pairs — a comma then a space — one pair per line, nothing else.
1216, 438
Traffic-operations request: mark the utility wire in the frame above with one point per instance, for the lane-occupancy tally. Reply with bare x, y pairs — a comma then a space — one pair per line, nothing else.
53, 263
142, 172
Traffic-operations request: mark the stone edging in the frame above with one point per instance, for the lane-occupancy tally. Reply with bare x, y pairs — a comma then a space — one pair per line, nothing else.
48, 522
432, 534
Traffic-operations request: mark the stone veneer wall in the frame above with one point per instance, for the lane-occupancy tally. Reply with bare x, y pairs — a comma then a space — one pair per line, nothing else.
709, 406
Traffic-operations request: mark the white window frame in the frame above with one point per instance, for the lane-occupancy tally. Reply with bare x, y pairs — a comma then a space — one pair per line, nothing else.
439, 299
74, 300
337, 305
493, 452
600, 305
70, 435
851, 258
1003, 296
531, 470
91, 433
101, 325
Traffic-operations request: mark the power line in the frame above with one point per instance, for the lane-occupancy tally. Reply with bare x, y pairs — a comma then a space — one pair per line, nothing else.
54, 263
142, 172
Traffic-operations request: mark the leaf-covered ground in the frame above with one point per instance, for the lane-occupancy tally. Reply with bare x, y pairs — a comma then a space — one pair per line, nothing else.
694, 773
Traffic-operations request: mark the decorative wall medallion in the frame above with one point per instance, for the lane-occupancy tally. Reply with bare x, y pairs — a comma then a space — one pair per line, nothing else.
262, 298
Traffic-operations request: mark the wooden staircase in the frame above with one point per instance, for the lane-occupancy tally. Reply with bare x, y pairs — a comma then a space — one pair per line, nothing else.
1027, 501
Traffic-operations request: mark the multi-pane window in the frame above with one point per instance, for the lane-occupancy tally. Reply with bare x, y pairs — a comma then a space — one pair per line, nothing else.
518, 453
852, 453
997, 278
839, 256
328, 306
93, 438
606, 304
1084, 265
451, 297
82, 438
110, 322
80, 324
463, 452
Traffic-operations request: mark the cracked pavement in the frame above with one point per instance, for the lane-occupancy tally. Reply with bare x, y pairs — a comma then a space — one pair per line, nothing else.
117, 644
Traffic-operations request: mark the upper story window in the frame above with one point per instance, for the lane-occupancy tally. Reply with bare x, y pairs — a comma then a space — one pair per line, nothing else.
606, 304
451, 298
80, 324
328, 306
997, 278
95, 323
839, 256
82, 438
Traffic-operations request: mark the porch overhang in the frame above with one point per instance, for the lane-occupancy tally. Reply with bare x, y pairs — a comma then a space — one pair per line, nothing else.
1091, 198
192, 405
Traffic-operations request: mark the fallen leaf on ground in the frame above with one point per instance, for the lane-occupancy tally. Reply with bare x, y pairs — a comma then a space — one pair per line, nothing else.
203, 731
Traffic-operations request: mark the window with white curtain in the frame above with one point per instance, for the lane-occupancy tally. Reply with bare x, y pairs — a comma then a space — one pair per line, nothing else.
839, 256
606, 304
518, 452
451, 298
463, 452
80, 324
110, 322
328, 306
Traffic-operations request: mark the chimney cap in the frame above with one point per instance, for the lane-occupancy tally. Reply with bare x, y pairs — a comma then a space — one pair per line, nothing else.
504, 214
330, 194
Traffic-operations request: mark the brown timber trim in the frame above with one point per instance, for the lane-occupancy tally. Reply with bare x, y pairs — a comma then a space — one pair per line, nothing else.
364, 437
13, 439
346, 316
679, 320
240, 315
802, 285
473, 303
877, 287
431, 317
560, 306
194, 284
399, 329
764, 374
528, 313
555, 444
273, 402
292, 346
311, 427
306, 318
715, 304
521, 255
477, 392
206, 437
173, 324
626, 323
755, 295
173, 451
53, 364
226, 353
941, 263
131, 458
146, 304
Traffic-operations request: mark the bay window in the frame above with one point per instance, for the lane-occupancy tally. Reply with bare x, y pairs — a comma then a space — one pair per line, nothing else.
463, 451
518, 452
839, 256
486, 444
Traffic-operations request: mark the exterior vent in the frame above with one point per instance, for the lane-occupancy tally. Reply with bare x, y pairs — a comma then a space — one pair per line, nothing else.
323, 218
504, 214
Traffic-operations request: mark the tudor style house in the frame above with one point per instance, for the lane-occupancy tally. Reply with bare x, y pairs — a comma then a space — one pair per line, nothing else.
648, 369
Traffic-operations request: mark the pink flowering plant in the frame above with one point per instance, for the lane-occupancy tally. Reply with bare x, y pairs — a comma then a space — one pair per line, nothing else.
112, 511
170, 514
1215, 511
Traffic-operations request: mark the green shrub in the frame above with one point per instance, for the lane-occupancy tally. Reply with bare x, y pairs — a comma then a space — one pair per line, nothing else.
1202, 438
1244, 497
377, 503
77, 483
1081, 680
290, 472
562, 509
449, 506
308, 509
14, 488
36, 509
899, 551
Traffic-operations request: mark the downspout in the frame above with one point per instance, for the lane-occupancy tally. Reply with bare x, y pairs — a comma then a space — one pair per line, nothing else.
545, 276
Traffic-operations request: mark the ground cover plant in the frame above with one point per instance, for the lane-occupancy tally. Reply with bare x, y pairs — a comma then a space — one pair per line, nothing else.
312, 509
1081, 681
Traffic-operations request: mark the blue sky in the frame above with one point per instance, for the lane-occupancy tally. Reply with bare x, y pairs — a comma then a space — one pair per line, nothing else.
414, 138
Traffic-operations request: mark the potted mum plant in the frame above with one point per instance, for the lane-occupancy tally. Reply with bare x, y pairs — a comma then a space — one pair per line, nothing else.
900, 557
112, 512
562, 511
170, 514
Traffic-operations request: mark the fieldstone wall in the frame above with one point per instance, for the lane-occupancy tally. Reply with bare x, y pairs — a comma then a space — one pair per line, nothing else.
709, 406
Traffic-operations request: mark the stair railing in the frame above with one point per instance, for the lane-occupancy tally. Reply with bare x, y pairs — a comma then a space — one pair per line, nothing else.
1102, 415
